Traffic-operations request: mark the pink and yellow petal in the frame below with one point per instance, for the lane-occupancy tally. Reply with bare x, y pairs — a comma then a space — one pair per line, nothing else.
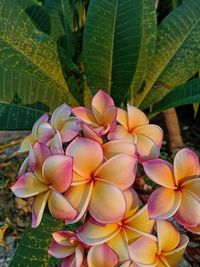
135, 117
195, 230
92, 233
25, 145
122, 118
86, 115
43, 119
57, 170
160, 171
174, 257
165, 231
55, 145
45, 132
113, 148
82, 164
193, 186
91, 133
59, 251
143, 251
64, 237
121, 133
100, 103
163, 203
152, 131
79, 197
107, 203
186, 165
109, 117
146, 149
119, 244
188, 213
70, 129
60, 208
60, 115
132, 202
38, 208
101, 255
28, 185
139, 224
119, 170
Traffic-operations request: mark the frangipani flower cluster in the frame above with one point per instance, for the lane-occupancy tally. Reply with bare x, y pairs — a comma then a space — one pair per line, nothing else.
83, 163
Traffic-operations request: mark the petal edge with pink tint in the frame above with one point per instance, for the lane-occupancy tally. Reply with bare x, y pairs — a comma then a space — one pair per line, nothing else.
60, 208
120, 133
186, 164
160, 171
28, 185
163, 203
86, 115
135, 117
119, 170
188, 213
101, 255
107, 203
60, 115
57, 170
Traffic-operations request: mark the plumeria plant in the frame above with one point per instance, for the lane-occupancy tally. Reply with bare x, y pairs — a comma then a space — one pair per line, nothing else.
84, 164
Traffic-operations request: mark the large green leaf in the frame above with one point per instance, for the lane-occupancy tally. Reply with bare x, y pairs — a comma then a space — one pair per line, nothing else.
24, 49
177, 56
187, 93
32, 250
111, 48
23, 99
145, 33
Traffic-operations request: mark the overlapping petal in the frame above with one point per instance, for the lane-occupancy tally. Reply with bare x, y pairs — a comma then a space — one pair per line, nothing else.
132, 202
57, 170
64, 238
119, 244
152, 131
165, 232
122, 118
186, 164
55, 145
25, 145
120, 170
143, 251
193, 186
82, 164
135, 117
107, 203
89, 132
79, 197
70, 129
115, 147
38, 208
164, 203
60, 116
174, 257
60, 208
92, 233
59, 251
160, 171
146, 148
102, 255
45, 132
86, 115
121, 133
188, 213
28, 185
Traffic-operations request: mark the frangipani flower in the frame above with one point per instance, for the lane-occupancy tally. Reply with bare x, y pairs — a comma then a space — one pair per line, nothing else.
101, 256
118, 235
98, 185
134, 127
102, 117
63, 123
179, 194
49, 176
167, 251
42, 132
67, 246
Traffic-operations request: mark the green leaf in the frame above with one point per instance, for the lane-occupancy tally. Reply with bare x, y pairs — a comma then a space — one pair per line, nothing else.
145, 41
32, 250
24, 99
111, 45
187, 93
177, 56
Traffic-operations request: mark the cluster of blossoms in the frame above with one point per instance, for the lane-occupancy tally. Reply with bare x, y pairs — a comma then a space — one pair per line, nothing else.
84, 163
